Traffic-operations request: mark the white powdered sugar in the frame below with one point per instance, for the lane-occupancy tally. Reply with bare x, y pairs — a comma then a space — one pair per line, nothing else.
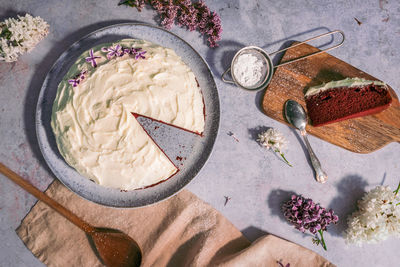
249, 70
18, 36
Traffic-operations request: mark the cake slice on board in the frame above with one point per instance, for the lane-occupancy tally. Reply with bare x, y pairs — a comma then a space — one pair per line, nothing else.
345, 99
363, 134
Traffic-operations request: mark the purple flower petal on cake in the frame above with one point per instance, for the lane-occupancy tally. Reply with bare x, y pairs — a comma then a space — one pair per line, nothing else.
126, 50
140, 55
92, 59
137, 52
134, 51
74, 82
82, 74
113, 51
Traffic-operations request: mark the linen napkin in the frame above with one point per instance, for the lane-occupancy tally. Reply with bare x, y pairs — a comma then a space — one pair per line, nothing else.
180, 231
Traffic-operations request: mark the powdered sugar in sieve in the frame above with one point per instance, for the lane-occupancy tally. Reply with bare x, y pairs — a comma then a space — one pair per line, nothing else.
250, 68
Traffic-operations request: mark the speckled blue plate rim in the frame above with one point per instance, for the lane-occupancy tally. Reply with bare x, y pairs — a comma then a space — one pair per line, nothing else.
202, 146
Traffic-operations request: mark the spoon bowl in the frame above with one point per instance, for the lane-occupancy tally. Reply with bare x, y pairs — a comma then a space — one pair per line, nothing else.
295, 114
114, 248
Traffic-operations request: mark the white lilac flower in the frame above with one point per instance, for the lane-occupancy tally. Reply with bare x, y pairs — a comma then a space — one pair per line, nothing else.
274, 140
377, 217
21, 35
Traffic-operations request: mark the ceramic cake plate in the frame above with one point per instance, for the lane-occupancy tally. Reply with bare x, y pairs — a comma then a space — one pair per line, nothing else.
188, 151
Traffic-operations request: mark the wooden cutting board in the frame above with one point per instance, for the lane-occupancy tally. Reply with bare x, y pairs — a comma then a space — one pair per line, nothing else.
361, 135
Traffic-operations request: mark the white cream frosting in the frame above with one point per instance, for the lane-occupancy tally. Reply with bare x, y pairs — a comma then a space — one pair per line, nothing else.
348, 82
95, 130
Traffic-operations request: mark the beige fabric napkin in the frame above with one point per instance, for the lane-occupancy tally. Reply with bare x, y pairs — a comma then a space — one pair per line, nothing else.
180, 231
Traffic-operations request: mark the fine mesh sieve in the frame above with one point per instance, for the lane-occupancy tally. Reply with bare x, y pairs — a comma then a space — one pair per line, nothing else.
261, 54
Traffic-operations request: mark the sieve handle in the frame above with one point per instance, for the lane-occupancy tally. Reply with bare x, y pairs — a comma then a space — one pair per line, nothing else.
223, 78
306, 41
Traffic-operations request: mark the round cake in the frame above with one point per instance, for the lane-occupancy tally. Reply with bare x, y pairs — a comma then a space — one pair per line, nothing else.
93, 117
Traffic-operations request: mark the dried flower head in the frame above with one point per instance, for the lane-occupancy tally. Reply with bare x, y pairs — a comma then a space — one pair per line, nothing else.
21, 35
377, 217
274, 140
305, 214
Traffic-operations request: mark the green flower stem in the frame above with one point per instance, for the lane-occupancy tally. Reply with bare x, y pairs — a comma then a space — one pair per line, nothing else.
397, 190
283, 156
322, 239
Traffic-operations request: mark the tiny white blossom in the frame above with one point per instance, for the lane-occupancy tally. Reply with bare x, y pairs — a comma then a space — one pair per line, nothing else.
21, 35
274, 140
377, 217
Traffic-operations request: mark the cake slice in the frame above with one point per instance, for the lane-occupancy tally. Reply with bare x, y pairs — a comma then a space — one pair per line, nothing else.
345, 99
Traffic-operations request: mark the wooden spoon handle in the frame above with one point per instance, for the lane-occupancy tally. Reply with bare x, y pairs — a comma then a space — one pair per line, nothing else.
46, 199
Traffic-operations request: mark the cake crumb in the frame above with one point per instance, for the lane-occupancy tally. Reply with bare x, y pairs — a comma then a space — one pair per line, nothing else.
358, 22
233, 136
226, 200
386, 19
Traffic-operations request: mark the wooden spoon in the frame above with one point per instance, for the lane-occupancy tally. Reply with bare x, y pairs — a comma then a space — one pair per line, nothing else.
113, 247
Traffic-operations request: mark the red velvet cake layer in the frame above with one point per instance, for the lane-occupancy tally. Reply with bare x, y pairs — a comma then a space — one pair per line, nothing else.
340, 103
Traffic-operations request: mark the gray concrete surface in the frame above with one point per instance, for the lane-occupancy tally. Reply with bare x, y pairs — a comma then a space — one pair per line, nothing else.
255, 179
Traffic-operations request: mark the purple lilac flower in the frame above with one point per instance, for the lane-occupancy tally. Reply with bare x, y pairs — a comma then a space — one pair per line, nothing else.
82, 74
126, 50
134, 51
113, 51
74, 82
92, 59
78, 78
209, 23
188, 18
187, 14
305, 214
140, 55
281, 264
139, 4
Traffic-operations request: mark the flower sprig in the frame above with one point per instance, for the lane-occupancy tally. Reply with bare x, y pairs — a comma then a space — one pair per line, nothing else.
21, 35
377, 217
193, 16
274, 140
305, 214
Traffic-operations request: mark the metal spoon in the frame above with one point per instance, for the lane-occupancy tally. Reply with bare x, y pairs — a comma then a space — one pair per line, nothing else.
113, 247
296, 115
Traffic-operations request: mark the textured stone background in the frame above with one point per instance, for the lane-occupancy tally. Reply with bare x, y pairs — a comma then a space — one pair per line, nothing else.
256, 180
